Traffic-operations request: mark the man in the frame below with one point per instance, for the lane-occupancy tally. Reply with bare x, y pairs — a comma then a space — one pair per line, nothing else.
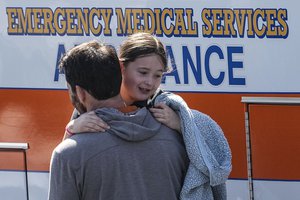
137, 158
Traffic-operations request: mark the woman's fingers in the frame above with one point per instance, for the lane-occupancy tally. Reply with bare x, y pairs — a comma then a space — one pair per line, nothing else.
164, 114
97, 125
89, 122
158, 113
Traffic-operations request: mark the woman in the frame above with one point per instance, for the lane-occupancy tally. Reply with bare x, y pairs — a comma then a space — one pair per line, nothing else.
143, 61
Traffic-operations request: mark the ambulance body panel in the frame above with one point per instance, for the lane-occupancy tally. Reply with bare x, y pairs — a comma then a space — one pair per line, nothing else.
220, 53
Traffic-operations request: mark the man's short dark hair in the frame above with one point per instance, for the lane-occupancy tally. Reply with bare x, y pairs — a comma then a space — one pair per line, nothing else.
94, 67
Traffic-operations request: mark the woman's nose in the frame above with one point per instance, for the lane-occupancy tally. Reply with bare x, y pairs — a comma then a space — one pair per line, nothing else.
149, 81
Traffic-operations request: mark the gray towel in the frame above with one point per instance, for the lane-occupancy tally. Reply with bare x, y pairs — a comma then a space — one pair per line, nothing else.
208, 151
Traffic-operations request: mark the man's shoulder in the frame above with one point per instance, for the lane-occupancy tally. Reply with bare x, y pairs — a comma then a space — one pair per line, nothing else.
65, 146
84, 145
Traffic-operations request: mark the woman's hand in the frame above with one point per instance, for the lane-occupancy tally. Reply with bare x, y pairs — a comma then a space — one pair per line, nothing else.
87, 122
166, 115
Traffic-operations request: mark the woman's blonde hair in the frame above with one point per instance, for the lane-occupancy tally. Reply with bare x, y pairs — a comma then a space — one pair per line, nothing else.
142, 44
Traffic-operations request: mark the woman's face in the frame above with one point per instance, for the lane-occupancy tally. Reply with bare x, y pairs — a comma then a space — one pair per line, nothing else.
141, 78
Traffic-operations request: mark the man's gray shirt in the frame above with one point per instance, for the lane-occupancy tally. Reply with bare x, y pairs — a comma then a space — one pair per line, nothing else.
138, 158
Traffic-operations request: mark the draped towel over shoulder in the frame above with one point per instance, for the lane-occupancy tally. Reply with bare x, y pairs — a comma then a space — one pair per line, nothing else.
208, 151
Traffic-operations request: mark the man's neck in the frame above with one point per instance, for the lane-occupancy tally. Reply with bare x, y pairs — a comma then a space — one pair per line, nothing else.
114, 102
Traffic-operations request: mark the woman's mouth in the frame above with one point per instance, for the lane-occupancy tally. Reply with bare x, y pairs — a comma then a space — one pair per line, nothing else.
144, 90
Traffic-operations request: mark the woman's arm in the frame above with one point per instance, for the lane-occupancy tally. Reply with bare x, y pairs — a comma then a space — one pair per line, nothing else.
87, 122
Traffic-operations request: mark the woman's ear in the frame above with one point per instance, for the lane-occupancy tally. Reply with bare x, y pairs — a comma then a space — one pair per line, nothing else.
122, 66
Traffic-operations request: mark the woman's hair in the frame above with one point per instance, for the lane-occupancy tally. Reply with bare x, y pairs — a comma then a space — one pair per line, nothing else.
142, 44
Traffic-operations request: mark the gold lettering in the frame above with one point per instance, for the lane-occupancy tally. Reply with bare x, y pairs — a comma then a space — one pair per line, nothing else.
149, 18
192, 27
179, 22
136, 15
48, 18
167, 12
229, 30
250, 31
106, 15
240, 16
158, 29
207, 27
82, 21
71, 26
11, 18
59, 21
123, 22
270, 18
38, 26
218, 28
259, 14
96, 30
25, 23
282, 16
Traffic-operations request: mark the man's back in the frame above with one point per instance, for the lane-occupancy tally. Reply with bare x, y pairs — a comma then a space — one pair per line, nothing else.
138, 158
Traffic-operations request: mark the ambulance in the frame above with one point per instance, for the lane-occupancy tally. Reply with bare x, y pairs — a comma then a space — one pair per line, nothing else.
237, 61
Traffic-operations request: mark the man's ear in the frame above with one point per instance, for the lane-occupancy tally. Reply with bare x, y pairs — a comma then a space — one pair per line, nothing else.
81, 93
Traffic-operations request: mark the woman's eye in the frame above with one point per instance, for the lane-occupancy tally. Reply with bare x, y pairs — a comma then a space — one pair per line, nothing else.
141, 72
